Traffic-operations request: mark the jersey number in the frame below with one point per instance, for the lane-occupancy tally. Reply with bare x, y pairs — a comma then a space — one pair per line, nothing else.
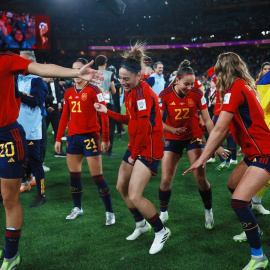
179, 112
7, 149
76, 106
88, 141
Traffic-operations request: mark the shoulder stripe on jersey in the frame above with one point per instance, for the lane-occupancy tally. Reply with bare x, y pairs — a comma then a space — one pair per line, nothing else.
94, 87
165, 91
197, 91
8, 53
139, 91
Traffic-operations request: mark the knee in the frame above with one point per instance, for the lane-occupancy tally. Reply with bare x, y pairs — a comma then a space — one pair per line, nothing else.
10, 202
202, 183
133, 199
120, 188
165, 184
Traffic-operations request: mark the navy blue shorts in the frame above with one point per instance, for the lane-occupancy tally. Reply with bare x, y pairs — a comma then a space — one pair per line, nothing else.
150, 163
261, 162
83, 144
178, 146
12, 151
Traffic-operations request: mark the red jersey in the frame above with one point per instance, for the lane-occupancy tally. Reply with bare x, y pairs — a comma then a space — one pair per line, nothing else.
10, 65
197, 83
248, 127
182, 112
80, 115
142, 102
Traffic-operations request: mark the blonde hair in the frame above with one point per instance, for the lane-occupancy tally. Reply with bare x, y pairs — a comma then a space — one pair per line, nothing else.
230, 67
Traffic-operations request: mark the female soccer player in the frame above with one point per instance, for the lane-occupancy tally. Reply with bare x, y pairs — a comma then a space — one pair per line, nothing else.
83, 140
243, 115
13, 142
257, 199
182, 130
144, 149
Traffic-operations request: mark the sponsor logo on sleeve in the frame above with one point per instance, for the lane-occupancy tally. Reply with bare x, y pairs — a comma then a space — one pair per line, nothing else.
226, 99
100, 97
141, 104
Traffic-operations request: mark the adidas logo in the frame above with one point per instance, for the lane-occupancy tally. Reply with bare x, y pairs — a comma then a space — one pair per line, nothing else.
95, 151
31, 143
70, 97
173, 103
11, 160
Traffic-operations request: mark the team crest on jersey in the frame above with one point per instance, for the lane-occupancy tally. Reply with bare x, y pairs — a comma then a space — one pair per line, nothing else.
84, 96
190, 102
166, 144
141, 104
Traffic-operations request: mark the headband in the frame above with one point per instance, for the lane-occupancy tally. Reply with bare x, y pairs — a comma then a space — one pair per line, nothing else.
131, 69
185, 75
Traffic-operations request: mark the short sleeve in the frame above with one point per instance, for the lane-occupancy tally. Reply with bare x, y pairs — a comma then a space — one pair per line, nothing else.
19, 64
232, 100
202, 103
161, 103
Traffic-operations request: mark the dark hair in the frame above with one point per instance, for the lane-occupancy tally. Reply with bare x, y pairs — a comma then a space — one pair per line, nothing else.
184, 68
82, 60
134, 58
265, 64
101, 60
157, 63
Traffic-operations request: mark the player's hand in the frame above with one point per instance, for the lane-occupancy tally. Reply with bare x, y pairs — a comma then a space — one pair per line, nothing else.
89, 74
50, 109
224, 153
105, 147
131, 160
180, 130
100, 107
57, 147
199, 163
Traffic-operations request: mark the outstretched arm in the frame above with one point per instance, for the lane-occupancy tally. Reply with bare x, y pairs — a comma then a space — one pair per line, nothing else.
124, 119
49, 70
215, 139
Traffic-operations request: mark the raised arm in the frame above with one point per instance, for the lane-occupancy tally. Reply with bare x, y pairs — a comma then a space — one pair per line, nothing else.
49, 70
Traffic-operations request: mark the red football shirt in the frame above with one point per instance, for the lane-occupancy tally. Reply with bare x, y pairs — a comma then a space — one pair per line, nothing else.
182, 111
248, 127
197, 83
10, 65
142, 103
80, 115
